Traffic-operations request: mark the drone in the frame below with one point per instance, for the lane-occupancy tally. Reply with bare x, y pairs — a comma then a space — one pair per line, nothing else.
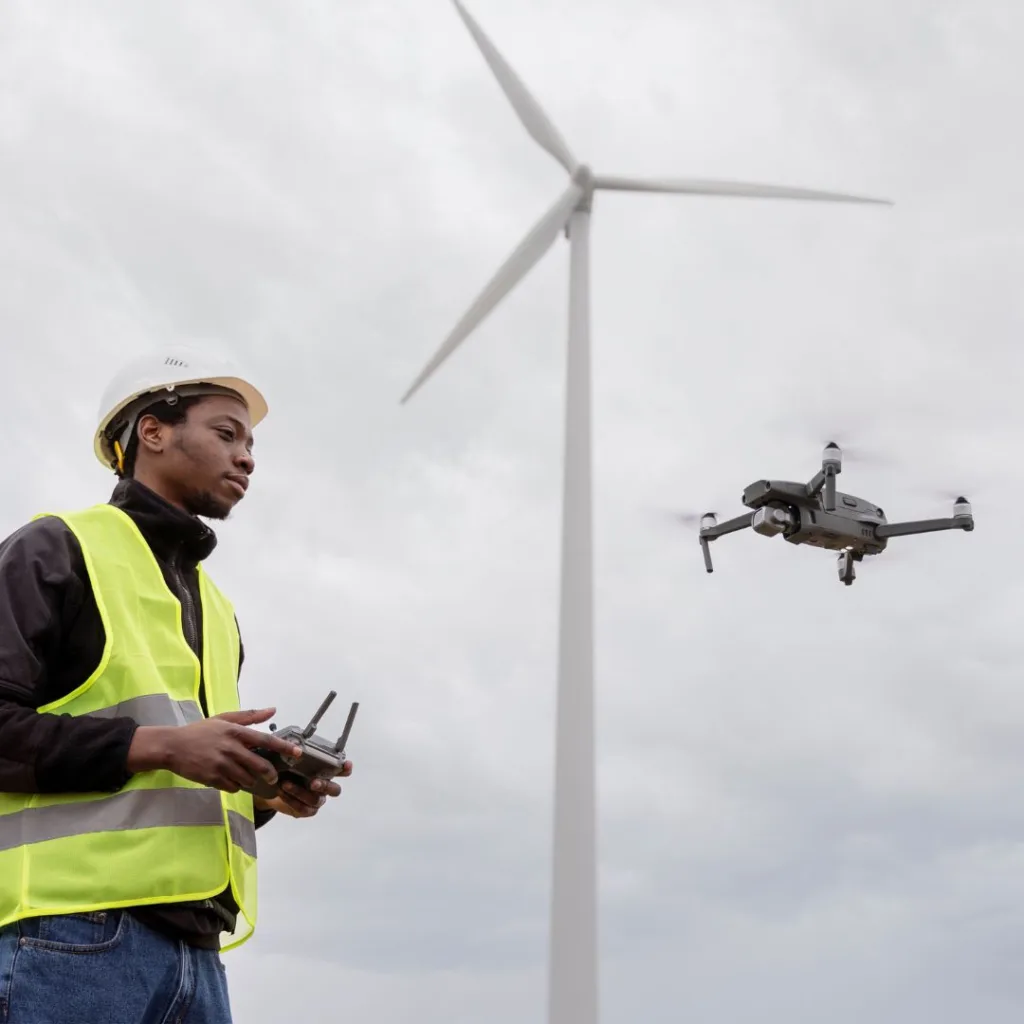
816, 513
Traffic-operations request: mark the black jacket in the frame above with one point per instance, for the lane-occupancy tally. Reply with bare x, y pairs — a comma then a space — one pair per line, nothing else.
51, 640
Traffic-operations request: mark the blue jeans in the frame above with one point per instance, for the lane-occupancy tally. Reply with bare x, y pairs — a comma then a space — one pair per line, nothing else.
106, 968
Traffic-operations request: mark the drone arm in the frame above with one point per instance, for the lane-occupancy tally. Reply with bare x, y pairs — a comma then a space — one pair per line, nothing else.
815, 484
825, 478
729, 526
923, 526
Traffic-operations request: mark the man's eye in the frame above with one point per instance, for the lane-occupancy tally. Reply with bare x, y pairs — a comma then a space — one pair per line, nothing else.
228, 435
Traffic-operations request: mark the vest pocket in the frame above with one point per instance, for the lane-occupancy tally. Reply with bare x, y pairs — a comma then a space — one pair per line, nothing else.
93, 932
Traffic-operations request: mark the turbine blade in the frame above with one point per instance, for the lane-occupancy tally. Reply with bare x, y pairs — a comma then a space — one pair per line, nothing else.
536, 122
711, 187
539, 239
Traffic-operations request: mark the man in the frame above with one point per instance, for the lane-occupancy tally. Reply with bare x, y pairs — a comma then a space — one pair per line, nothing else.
127, 836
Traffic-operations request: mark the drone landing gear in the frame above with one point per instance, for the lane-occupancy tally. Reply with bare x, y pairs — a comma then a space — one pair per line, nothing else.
847, 570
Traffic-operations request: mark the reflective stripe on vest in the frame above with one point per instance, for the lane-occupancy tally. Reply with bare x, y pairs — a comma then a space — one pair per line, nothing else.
161, 838
153, 709
137, 808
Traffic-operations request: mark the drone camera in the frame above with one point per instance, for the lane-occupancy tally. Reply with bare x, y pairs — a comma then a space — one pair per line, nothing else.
770, 521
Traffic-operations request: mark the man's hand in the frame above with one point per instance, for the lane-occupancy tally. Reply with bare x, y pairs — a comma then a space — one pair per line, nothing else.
303, 802
215, 751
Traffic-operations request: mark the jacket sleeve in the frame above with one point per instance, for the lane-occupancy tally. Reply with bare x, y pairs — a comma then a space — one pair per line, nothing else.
40, 592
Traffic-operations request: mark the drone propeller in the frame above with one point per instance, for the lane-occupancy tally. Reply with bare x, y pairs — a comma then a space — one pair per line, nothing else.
954, 495
822, 430
859, 454
695, 519
688, 514
949, 495
815, 420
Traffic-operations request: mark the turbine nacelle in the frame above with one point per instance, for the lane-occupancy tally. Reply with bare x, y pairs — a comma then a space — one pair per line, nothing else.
584, 177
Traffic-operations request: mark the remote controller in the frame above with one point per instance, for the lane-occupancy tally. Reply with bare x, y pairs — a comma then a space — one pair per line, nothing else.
320, 758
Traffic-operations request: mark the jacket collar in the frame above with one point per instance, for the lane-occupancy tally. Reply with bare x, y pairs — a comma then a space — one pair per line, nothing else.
170, 532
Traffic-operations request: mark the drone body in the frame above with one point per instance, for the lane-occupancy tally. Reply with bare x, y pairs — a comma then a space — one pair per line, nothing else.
816, 513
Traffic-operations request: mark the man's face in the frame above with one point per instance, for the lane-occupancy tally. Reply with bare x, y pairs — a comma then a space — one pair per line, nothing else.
208, 458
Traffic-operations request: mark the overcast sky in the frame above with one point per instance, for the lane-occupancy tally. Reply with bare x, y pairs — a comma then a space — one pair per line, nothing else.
809, 794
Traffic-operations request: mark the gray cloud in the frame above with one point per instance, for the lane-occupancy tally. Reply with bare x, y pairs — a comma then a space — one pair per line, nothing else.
808, 792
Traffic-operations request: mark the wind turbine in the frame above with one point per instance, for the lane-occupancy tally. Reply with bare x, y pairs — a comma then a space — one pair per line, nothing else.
572, 966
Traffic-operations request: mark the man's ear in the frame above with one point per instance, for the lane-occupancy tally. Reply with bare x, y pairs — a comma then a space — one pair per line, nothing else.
152, 433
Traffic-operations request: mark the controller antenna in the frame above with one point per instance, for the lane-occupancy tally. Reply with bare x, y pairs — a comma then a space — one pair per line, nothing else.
339, 747
315, 720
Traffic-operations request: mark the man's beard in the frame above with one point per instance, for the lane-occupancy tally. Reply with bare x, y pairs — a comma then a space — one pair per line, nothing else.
203, 503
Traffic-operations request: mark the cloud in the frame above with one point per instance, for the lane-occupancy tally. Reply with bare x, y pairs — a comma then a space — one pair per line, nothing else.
807, 792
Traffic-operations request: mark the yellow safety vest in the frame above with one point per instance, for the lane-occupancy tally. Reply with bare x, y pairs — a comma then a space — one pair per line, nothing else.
161, 838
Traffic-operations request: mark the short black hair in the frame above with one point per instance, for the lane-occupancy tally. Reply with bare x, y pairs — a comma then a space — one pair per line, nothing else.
171, 413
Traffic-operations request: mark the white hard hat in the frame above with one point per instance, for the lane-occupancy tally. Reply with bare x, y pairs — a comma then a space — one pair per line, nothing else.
155, 376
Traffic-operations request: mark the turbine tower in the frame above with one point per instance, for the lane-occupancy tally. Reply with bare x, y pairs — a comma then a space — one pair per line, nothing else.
572, 966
